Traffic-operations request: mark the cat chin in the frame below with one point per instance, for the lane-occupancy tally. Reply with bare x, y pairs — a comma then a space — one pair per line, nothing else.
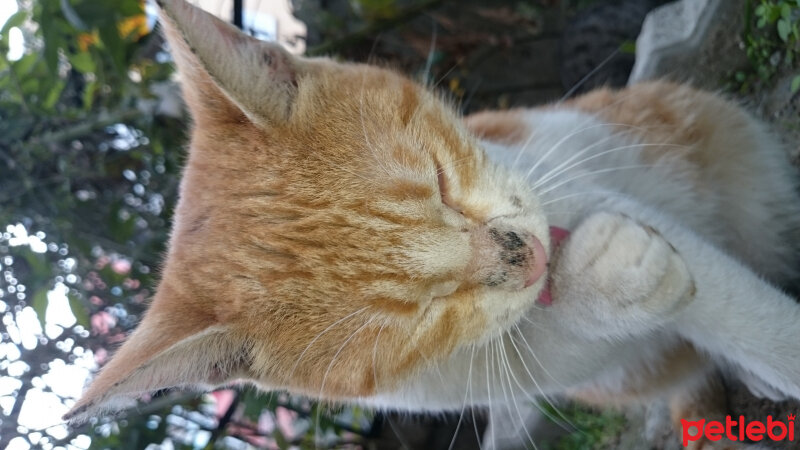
523, 301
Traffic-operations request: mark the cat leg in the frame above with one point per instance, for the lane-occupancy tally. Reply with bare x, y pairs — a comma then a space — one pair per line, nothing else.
739, 317
685, 380
734, 315
618, 278
702, 399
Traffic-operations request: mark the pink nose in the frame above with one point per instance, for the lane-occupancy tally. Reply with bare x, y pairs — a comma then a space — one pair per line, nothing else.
539, 264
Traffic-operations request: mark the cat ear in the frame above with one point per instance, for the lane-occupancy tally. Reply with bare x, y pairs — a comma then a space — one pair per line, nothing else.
163, 355
214, 57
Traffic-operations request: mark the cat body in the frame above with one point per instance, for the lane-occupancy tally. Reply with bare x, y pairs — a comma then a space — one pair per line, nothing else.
668, 168
341, 233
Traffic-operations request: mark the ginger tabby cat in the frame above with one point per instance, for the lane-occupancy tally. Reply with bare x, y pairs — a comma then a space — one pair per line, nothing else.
343, 234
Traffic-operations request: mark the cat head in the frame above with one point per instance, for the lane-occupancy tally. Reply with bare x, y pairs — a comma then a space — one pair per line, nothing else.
338, 230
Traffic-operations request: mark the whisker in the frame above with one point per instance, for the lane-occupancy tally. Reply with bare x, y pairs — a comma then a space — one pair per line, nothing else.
562, 213
499, 359
463, 403
567, 137
596, 172
333, 361
615, 135
530, 349
465, 103
522, 149
299, 358
531, 321
450, 70
564, 197
586, 77
471, 400
610, 136
398, 434
377, 158
489, 394
431, 52
553, 173
453, 164
496, 345
572, 426
622, 97
509, 371
561, 141
338, 352
374, 357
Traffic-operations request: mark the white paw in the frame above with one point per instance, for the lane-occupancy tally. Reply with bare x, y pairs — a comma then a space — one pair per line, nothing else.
616, 277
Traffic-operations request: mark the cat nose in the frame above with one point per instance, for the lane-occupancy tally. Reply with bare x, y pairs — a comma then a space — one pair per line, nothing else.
537, 267
523, 256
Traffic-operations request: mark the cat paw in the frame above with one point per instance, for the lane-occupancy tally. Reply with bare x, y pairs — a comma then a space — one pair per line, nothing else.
617, 277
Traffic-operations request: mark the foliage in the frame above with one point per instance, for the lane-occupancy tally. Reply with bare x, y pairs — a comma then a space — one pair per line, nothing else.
90, 153
772, 42
594, 429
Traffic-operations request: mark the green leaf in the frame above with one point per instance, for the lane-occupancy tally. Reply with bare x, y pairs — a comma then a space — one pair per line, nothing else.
280, 439
51, 44
15, 20
53, 95
24, 65
78, 310
795, 84
109, 35
37, 262
773, 13
72, 17
82, 62
628, 47
786, 11
253, 405
88, 95
128, 8
39, 304
30, 85
784, 28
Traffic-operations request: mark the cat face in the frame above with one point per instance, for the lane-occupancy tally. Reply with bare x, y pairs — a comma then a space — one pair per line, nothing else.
374, 231
338, 229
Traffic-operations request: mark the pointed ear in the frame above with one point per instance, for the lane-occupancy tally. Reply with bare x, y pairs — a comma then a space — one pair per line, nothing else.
154, 358
258, 78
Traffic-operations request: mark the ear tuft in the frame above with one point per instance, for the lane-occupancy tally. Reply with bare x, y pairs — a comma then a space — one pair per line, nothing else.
147, 362
260, 78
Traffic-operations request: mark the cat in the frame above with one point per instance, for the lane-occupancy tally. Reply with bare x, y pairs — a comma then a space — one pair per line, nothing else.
342, 233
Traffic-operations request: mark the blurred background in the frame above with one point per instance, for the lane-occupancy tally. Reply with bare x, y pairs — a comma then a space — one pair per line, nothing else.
92, 138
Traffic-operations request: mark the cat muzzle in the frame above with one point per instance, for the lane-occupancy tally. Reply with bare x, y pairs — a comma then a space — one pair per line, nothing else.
507, 258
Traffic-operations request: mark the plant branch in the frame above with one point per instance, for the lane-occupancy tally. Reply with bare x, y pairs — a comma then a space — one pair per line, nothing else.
83, 128
14, 79
379, 26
